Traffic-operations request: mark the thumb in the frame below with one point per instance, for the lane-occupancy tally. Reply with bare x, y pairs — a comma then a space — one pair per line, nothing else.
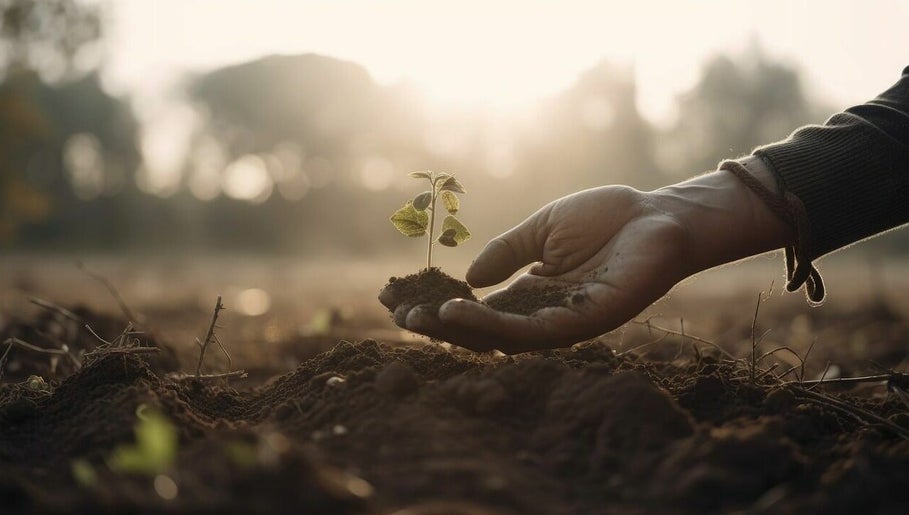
505, 254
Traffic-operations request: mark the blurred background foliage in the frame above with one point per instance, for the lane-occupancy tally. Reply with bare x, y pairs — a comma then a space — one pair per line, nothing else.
307, 154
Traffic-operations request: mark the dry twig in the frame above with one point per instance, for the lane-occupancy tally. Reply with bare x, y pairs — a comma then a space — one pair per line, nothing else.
9, 342
208, 337
128, 313
122, 345
877, 378
641, 346
181, 376
863, 416
691, 337
755, 341
50, 306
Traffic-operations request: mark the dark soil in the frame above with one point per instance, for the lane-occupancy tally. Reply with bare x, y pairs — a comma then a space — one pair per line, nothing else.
528, 302
58, 328
372, 428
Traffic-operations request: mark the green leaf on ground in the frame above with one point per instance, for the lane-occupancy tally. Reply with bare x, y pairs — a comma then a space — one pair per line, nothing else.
83, 472
155, 449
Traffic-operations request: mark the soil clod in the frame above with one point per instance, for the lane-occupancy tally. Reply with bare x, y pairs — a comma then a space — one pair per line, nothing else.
432, 288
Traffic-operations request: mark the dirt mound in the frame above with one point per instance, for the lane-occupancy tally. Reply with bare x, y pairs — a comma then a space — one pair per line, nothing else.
369, 428
66, 335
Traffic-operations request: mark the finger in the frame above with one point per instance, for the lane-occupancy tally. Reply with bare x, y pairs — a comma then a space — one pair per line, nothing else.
511, 333
551, 269
505, 254
388, 298
400, 314
425, 320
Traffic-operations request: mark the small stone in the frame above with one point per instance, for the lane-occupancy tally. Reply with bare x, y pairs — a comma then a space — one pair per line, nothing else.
334, 381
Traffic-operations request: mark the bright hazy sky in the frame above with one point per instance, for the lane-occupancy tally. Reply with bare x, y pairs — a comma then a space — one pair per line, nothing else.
504, 52
499, 53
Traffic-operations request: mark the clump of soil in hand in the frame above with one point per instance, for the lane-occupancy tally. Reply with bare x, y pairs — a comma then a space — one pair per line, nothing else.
430, 286
434, 287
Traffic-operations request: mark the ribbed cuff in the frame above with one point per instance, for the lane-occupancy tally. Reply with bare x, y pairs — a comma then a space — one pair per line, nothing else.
850, 176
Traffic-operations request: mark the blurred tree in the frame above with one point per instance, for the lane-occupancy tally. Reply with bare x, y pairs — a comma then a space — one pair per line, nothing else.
56, 38
314, 101
68, 153
736, 105
594, 135
23, 130
320, 126
66, 147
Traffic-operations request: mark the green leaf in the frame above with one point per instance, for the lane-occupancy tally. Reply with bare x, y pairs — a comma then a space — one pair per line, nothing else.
83, 472
451, 202
421, 175
37, 384
155, 449
447, 238
241, 453
321, 323
454, 232
409, 221
421, 201
452, 184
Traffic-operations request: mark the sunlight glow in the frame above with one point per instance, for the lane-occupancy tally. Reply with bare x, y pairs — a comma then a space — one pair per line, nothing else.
597, 113
293, 183
84, 165
508, 52
377, 173
205, 177
165, 487
247, 179
164, 144
252, 302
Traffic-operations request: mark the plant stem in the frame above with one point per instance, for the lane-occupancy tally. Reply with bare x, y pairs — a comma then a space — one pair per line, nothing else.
432, 223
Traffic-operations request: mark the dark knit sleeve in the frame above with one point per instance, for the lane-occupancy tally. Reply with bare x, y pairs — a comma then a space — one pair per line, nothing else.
851, 174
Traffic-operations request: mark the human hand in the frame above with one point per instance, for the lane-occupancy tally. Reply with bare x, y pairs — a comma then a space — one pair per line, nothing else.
615, 250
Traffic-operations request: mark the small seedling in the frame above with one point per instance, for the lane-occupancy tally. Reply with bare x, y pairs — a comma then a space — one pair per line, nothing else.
156, 445
418, 216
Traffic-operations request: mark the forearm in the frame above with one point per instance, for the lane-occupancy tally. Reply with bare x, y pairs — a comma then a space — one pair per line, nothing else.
725, 220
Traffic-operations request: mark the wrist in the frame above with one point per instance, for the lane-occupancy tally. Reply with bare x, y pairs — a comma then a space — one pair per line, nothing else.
725, 220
